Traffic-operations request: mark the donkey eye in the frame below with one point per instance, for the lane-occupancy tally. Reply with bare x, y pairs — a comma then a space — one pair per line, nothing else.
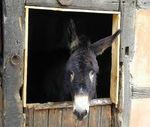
91, 75
71, 76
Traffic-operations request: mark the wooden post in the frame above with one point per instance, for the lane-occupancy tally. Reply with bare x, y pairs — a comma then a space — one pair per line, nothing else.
128, 8
13, 32
1, 92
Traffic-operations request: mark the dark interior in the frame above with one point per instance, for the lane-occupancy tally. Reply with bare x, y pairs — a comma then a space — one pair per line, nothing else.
46, 47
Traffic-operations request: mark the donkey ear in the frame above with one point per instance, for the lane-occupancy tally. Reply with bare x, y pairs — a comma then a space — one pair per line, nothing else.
73, 36
101, 45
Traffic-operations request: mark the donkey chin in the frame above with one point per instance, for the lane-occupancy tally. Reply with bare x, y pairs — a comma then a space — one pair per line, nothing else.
81, 106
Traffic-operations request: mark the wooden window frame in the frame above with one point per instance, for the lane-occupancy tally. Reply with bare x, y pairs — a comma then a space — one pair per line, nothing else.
114, 85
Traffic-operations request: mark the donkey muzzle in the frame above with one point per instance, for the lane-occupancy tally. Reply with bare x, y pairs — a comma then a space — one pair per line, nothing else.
80, 115
81, 106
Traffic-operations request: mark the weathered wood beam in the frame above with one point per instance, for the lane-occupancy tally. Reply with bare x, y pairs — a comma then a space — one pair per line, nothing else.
13, 38
143, 4
115, 116
1, 92
140, 92
103, 5
128, 12
53, 105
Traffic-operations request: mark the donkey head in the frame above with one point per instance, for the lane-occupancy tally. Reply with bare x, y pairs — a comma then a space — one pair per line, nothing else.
82, 68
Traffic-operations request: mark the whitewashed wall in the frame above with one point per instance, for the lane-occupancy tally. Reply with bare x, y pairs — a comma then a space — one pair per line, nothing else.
140, 69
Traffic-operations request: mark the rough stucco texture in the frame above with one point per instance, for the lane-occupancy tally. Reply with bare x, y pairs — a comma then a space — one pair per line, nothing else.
140, 69
140, 113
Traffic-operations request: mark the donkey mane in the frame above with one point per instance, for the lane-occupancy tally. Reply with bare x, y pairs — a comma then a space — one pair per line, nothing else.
84, 41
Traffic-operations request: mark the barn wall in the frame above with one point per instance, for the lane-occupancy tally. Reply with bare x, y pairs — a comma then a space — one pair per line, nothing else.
140, 70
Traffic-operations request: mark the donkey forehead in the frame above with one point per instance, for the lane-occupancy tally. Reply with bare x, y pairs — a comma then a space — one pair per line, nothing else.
83, 59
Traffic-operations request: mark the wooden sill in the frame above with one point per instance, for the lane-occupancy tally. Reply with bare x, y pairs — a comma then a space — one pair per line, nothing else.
54, 105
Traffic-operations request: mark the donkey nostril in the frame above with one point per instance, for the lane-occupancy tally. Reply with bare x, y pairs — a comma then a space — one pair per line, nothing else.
80, 115
75, 112
84, 113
